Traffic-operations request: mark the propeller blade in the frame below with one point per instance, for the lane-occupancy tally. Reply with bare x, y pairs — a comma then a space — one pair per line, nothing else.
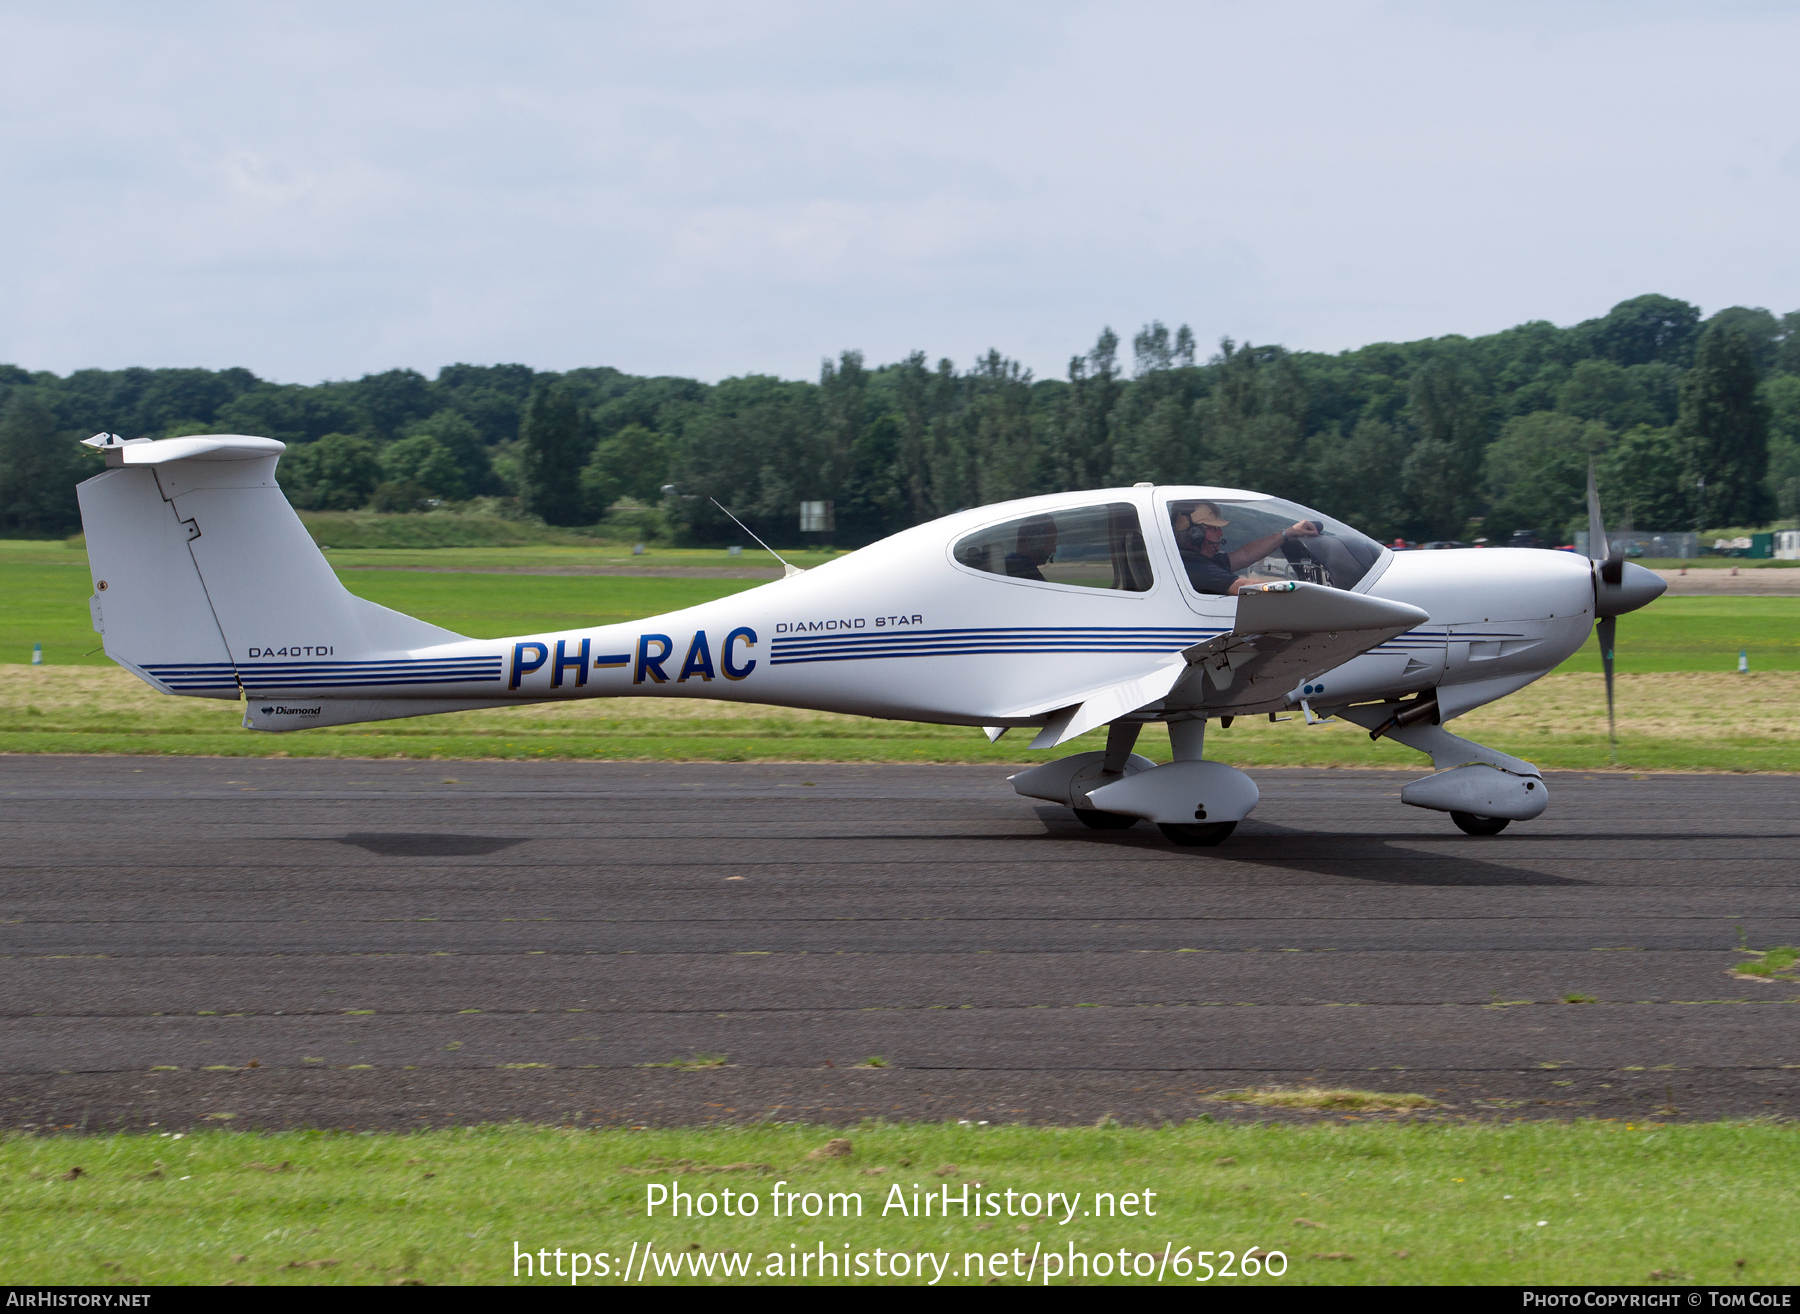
1596, 526
1608, 630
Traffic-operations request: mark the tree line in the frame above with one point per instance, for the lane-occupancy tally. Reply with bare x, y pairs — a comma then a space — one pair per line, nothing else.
1693, 423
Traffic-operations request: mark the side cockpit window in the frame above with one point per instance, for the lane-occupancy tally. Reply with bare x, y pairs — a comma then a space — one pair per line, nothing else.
1093, 547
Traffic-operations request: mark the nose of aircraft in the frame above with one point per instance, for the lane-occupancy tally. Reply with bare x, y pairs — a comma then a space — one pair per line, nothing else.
1632, 587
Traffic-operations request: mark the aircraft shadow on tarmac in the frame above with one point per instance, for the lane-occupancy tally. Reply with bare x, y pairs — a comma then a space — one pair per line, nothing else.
1377, 859
397, 845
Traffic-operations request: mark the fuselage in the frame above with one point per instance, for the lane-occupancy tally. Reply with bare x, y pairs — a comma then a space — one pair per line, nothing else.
921, 627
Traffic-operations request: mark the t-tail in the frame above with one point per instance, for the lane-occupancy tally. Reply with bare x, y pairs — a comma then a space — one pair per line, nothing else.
207, 584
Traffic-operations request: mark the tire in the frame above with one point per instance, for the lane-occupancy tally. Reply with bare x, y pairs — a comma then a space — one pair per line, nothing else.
1207, 835
1470, 824
1095, 819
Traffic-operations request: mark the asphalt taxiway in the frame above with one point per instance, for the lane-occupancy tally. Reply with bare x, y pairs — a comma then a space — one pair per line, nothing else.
391, 944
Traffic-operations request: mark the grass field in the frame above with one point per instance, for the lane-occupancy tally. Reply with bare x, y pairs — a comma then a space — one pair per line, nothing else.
1675, 721
1679, 707
1344, 1199
44, 589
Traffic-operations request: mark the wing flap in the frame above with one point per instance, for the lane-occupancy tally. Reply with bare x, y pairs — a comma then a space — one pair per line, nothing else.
1109, 704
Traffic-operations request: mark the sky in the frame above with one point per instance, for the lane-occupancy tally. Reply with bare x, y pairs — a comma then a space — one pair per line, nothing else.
322, 190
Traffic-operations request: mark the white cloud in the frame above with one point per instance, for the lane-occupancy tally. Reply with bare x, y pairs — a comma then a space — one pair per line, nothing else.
320, 190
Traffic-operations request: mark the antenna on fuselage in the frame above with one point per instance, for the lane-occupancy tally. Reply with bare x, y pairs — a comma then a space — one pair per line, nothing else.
786, 566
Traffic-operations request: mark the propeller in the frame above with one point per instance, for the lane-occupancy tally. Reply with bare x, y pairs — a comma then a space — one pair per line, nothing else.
1619, 586
1608, 627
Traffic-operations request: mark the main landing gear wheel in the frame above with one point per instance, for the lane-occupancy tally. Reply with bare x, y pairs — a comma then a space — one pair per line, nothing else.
1207, 835
1095, 819
1470, 824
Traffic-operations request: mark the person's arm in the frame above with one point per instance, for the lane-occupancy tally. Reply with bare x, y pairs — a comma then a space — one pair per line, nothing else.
1261, 548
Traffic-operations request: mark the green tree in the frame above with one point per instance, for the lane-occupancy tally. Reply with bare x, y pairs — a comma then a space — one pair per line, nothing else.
555, 448
1787, 351
1760, 329
462, 442
1252, 424
427, 464
1161, 446
1155, 350
189, 399
1536, 473
994, 434
491, 397
1644, 478
1644, 329
1606, 391
1081, 438
1436, 482
1781, 395
288, 413
40, 464
872, 493
389, 400
340, 472
753, 446
1659, 383
1450, 408
1724, 426
1358, 479
631, 463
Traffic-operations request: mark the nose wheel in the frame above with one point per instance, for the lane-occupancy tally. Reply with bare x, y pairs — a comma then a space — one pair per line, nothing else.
1470, 824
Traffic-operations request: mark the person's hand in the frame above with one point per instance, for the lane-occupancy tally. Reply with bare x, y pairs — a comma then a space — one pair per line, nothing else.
1301, 529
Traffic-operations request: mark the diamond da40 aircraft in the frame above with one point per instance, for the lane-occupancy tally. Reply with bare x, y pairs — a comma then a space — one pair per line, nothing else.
1053, 615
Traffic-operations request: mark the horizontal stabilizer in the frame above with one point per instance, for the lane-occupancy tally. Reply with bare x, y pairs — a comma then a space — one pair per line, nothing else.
201, 447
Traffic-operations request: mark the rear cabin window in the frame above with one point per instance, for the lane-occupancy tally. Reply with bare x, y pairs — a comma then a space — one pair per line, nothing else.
1091, 547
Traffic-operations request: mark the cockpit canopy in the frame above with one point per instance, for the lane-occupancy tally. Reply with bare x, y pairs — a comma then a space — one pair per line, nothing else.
1220, 541
1223, 540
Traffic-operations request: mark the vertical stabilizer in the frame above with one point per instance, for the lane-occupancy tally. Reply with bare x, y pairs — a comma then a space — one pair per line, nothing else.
201, 567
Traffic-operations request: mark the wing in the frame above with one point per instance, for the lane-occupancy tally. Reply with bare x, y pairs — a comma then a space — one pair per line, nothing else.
1284, 635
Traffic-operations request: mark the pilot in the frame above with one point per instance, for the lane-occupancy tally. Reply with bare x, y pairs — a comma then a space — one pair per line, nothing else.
1037, 544
1200, 535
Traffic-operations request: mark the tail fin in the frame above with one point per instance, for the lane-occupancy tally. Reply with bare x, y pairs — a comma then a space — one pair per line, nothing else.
200, 565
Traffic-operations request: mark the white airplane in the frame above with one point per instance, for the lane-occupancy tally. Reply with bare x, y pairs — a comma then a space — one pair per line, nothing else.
1061, 614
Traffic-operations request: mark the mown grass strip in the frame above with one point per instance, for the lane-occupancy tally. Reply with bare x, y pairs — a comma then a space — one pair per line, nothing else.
1379, 1199
1667, 722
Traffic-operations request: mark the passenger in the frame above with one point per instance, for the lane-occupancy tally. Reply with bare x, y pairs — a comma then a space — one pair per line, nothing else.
1200, 536
1037, 544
